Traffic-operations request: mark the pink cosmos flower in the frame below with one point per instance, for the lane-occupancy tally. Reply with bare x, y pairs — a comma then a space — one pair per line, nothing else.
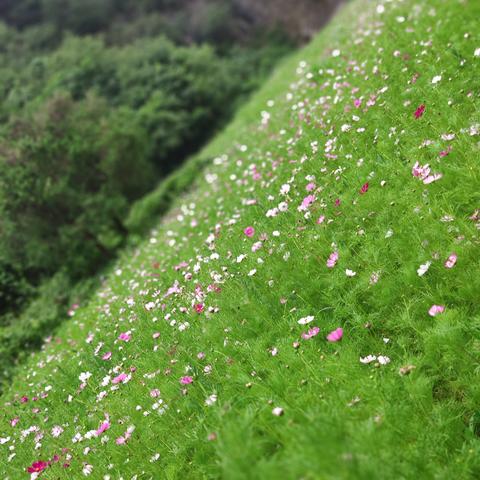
311, 333
155, 393
14, 421
310, 187
306, 202
357, 103
432, 178
364, 188
336, 335
119, 378
186, 380
337, 202
332, 260
24, 399
321, 219
423, 172
451, 260
122, 440
102, 428
107, 356
37, 467
420, 171
435, 310
126, 336
180, 266
249, 232
445, 152
419, 111
199, 307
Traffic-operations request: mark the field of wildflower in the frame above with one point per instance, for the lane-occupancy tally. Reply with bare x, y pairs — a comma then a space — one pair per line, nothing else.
311, 308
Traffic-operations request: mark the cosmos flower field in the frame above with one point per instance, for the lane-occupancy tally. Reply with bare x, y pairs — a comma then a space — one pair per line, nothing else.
310, 309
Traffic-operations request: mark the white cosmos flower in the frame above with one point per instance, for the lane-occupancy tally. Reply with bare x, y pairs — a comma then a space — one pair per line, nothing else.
423, 269
306, 320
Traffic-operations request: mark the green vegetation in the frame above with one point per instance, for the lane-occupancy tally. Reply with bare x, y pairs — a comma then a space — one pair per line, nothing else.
205, 354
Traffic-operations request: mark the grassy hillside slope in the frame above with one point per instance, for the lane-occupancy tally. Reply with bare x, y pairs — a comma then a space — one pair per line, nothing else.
205, 354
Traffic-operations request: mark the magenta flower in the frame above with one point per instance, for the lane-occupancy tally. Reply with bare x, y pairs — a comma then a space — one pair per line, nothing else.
249, 232
199, 307
364, 188
435, 310
445, 152
102, 428
186, 380
336, 335
37, 467
419, 111
126, 336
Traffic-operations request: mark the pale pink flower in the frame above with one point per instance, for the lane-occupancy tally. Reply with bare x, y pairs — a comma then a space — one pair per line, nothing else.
423, 173
155, 393
107, 356
368, 359
332, 260
435, 310
311, 333
432, 178
306, 202
336, 335
451, 260
383, 360
126, 336
120, 378
420, 171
